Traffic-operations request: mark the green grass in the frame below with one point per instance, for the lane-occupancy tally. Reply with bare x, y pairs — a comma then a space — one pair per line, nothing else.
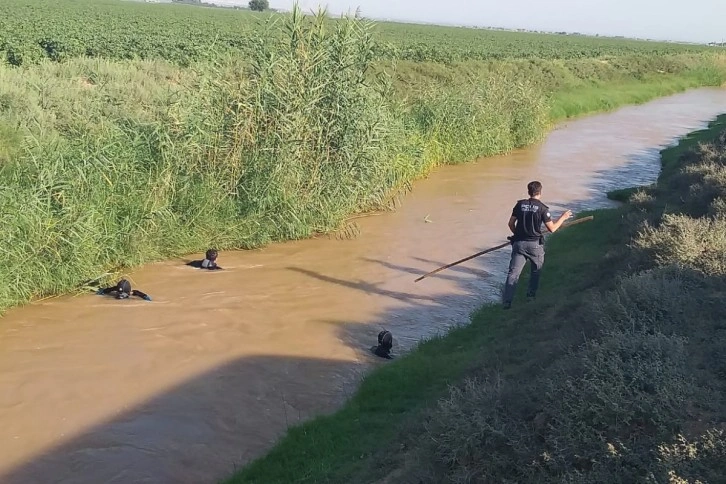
671, 156
379, 432
606, 97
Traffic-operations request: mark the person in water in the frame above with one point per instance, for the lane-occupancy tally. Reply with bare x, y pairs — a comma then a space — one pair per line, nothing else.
209, 261
385, 343
123, 291
527, 239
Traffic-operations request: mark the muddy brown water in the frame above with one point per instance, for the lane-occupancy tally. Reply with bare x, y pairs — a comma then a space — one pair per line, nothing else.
211, 373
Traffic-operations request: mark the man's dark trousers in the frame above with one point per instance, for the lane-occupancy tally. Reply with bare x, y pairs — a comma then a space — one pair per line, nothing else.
523, 251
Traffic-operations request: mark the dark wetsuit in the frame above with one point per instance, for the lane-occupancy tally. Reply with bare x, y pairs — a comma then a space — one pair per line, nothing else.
204, 264
123, 295
385, 343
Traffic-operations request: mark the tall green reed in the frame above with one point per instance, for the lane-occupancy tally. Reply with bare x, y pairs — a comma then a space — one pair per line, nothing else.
485, 117
307, 132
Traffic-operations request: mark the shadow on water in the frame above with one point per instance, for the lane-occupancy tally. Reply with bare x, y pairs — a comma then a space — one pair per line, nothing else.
415, 272
159, 440
364, 286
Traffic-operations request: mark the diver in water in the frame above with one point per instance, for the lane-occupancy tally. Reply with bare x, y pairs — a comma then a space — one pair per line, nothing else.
209, 262
385, 343
123, 291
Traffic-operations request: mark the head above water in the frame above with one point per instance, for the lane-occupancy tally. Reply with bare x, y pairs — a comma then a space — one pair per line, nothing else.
123, 289
534, 188
385, 340
211, 254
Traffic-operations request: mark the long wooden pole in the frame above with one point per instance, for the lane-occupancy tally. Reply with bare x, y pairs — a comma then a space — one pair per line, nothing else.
492, 249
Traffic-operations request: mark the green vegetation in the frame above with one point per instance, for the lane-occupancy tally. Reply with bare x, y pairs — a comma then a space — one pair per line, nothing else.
108, 162
31, 30
618, 378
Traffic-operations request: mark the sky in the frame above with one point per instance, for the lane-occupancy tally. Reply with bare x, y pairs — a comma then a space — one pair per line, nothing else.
680, 20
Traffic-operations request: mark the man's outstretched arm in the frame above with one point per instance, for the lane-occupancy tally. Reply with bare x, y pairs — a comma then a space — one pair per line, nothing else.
553, 226
140, 294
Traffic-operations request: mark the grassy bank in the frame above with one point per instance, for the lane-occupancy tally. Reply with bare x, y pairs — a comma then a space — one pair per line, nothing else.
579, 100
617, 379
107, 164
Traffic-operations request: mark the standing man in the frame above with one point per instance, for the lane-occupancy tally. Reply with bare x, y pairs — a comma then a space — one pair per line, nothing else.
528, 241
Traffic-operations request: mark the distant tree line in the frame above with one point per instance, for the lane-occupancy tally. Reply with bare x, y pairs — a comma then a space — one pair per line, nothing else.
259, 5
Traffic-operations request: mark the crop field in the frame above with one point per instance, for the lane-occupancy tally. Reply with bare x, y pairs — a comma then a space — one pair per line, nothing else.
31, 30
436, 43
